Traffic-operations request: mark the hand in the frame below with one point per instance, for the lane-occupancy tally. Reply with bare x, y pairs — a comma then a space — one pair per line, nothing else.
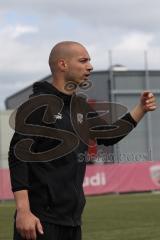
28, 225
148, 101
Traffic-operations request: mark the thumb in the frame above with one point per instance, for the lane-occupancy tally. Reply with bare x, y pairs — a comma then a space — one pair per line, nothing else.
150, 95
39, 227
147, 94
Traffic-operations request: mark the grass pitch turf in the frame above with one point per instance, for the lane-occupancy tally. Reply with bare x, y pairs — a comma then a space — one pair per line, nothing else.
110, 217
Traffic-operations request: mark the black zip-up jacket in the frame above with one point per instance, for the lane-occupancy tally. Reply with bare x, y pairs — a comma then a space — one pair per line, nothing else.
55, 188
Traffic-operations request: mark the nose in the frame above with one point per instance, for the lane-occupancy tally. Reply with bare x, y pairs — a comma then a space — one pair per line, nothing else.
89, 67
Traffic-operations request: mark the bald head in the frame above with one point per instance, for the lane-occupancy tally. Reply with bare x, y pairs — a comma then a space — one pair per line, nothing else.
62, 50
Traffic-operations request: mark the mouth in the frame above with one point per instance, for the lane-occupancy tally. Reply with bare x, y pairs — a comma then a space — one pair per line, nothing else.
87, 75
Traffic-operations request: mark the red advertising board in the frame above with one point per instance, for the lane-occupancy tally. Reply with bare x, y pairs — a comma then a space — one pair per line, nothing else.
108, 178
121, 178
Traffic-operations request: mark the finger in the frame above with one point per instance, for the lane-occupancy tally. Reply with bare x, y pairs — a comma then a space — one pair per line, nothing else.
150, 95
147, 94
39, 227
27, 235
151, 104
152, 100
22, 234
151, 107
33, 234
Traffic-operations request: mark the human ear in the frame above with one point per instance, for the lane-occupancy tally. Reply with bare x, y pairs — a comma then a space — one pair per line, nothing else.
62, 64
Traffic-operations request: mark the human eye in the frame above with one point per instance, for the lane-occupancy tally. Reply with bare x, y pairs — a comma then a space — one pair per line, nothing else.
83, 60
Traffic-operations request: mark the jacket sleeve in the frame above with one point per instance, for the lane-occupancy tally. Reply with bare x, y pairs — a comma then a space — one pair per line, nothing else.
127, 119
18, 169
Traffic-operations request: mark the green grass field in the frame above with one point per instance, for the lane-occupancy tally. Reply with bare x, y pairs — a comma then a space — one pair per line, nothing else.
111, 217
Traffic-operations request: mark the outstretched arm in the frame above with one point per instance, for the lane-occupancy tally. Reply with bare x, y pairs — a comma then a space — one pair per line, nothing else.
147, 103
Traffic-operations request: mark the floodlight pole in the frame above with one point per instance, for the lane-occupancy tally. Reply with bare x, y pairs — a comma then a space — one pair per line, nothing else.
149, 125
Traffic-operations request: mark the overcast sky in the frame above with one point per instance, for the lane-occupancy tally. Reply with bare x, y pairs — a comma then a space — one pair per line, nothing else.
29, 29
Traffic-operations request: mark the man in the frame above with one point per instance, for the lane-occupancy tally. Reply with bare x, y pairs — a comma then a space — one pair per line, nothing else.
49, 195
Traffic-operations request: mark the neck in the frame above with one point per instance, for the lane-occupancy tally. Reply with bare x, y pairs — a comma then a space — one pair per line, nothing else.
59, 84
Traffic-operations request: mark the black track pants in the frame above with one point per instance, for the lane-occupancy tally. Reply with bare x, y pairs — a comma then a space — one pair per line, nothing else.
55, 232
